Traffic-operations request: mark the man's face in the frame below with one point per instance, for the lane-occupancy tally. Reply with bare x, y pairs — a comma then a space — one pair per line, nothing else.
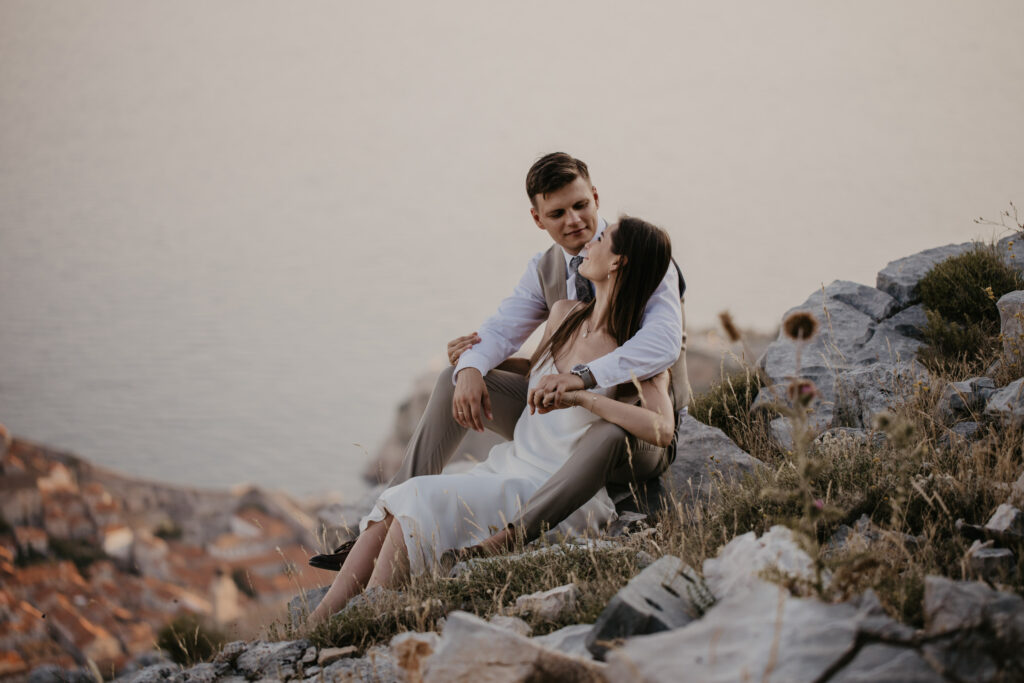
569, 215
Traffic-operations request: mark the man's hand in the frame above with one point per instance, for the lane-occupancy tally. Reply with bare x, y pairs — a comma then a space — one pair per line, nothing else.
549, 394
459, 345
471, 401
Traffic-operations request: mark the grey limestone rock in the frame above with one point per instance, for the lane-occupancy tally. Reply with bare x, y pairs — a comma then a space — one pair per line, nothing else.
864, 392
975, 633
514, 624
895, 339
201, 673
656, 599
1011, 321
738, 566
1007, 520
51, 673
990, 564
868, 300
301, 605
571, 640
548, 604
900, 277
268, 660
767, 634
155, 673
376, 665
1017, 492
964, 399
704, 453
1011, 248
473, 650
1007, 404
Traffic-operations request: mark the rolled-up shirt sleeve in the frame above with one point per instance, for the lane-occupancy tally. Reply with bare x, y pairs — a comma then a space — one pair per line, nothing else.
655, 347
503, 333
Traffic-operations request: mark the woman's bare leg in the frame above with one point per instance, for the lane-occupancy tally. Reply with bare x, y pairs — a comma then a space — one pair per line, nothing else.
393, 561
356, 570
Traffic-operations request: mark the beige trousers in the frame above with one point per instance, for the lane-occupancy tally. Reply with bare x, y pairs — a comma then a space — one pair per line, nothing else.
605, 454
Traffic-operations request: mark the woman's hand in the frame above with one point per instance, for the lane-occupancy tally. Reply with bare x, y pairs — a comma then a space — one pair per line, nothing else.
549, 394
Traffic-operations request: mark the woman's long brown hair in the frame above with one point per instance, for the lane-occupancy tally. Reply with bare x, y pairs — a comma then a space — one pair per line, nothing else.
648, 253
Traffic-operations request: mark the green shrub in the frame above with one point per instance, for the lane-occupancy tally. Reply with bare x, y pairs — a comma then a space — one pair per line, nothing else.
188, 640
960, 297
965, 288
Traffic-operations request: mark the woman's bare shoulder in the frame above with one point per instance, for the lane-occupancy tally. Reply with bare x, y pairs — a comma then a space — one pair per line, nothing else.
560, 308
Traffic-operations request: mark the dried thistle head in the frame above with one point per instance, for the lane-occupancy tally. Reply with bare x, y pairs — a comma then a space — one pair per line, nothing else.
801, 392
729, 326
800, 326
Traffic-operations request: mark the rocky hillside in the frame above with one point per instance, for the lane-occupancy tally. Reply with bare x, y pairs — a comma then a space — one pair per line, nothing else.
847, 509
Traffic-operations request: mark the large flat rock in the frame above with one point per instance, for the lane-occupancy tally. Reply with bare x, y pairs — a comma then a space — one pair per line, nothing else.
473, 650
766, 634
702, 453
976, 633
900, 278
656, 599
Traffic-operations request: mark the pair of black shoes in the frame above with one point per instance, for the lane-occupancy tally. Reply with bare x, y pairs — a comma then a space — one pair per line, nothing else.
333, 561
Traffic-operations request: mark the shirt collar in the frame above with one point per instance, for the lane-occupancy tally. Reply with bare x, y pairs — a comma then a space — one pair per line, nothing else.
601, 225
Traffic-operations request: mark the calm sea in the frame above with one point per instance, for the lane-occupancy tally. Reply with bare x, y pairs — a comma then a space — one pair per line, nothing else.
231, 234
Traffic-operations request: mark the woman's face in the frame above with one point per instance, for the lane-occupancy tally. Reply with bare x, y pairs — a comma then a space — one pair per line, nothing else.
598, 260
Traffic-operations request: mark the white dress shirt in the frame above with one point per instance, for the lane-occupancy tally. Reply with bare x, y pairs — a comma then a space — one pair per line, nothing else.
653, 349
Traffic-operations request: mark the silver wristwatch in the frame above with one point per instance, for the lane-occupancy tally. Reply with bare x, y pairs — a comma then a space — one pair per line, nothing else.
584, 373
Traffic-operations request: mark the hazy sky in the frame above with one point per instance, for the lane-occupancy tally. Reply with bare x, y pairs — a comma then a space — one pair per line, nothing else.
251, 223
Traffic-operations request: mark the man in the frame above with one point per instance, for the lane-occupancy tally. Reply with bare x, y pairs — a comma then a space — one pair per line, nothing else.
482, 389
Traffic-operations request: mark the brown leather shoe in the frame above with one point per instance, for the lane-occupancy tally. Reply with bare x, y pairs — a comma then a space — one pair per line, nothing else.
333, 561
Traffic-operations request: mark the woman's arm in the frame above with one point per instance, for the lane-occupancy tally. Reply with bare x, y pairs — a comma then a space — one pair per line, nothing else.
651, 421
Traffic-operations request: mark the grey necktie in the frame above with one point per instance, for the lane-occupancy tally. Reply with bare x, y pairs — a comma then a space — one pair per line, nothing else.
583, 291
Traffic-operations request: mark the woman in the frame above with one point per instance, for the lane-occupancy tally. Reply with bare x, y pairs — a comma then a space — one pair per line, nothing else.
413, 523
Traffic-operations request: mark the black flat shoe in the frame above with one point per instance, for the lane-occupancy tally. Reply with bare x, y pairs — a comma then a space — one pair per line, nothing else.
333, 561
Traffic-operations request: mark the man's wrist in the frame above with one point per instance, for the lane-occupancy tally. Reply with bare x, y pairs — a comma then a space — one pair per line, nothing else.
585, 375
468, 367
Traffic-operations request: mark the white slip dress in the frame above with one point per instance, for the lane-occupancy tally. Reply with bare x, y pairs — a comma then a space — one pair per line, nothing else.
446, 511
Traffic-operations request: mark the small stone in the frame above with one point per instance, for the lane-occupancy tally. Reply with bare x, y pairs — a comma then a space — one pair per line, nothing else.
263, 659
964, 399
329, 655
1007, 404
1017, 492
411, 649
310, 655
1008, 520
550, 604
991, 564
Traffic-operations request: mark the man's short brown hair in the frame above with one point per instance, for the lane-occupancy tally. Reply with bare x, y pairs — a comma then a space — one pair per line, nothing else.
552, 172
